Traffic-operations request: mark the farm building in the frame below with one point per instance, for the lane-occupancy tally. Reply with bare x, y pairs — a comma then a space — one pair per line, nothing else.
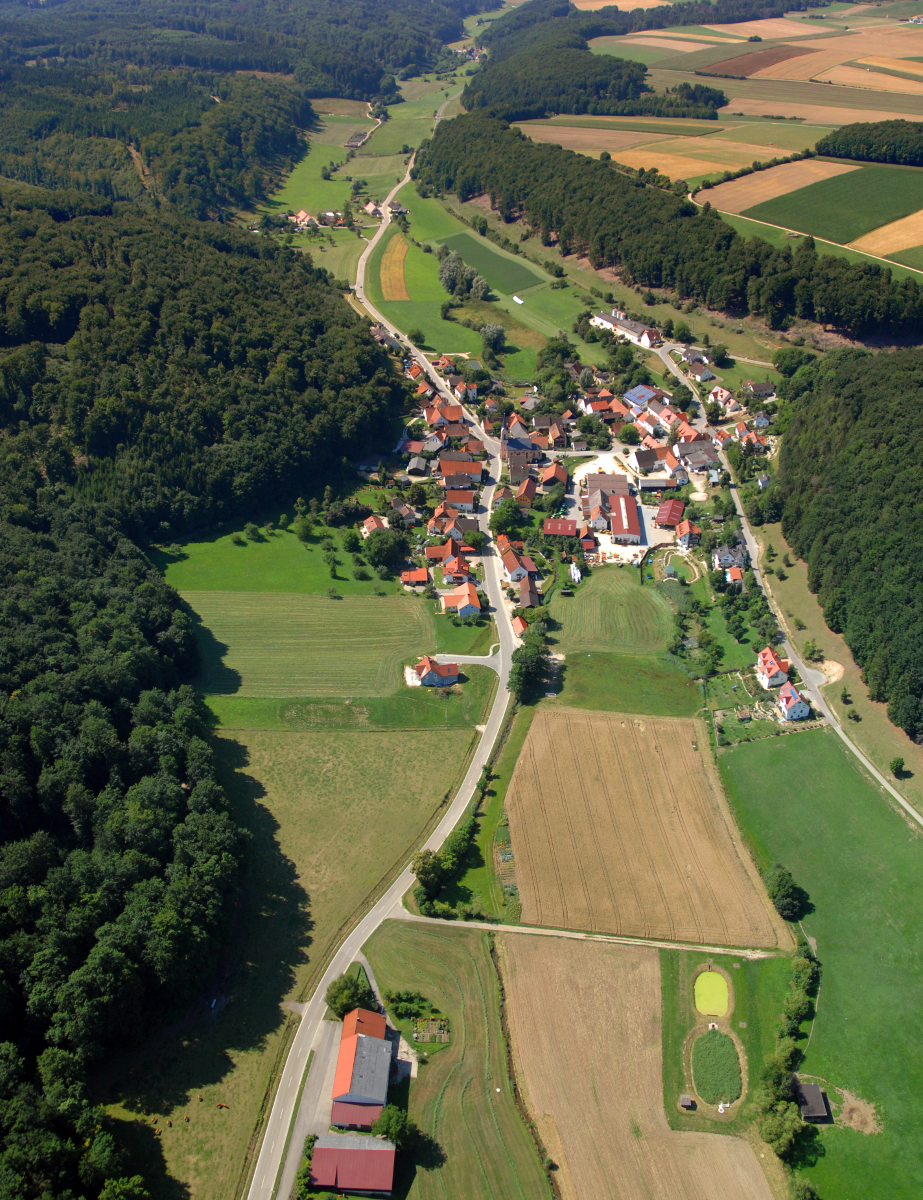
433, 674
557, 527
771, 670
462, 499
519, 626
554, 474
616, 322
623, 515
362, 1020
528, 596
351, 1163
611, 484
516, 567
669, 514
792, 704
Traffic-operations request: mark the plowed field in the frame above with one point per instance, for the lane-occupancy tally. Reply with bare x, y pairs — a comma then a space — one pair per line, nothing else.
590, 1065
393, 286
618, 826
741, 194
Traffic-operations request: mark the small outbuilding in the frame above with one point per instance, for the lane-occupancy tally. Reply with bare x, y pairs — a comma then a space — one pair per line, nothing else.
352, 1163
811, 1101
686, 1102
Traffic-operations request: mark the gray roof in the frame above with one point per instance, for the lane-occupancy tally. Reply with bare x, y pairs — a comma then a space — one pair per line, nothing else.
607, 483
810, 1099
417, 464
371, 1069
352, 1141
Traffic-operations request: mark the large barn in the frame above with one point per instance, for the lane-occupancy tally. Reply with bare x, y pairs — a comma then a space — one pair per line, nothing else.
353, 1163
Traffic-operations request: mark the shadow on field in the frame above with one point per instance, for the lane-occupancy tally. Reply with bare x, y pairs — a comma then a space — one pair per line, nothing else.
426, 1155
239, 1006
214, 676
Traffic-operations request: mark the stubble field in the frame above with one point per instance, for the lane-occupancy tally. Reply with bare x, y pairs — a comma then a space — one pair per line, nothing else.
590, 1066
618, 826
393, 284
740, 194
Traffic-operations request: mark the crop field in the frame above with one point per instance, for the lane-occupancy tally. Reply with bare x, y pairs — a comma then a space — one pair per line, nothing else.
847, 206
278, 644
477, 1146
329, 816
859, 859
590, 1065
502, 273
889, 239
393, 285
611, 611
619, 827
588, 140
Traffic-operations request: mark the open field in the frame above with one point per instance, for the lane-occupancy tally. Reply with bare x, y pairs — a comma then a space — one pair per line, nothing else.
740, 194
277, 644
777, 135
614, 682
888, 239
611, 611
587, 140
328, 817
912, 257
860, 862
503, 273
463, 1099
336, 106
824, 114
847, 206
636, 50
618, 827
393, 285
758, 60
590, 1067
877, 81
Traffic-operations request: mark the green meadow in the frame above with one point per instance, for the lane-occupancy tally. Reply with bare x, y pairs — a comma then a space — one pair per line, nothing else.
503, 273
613, 682
804, 801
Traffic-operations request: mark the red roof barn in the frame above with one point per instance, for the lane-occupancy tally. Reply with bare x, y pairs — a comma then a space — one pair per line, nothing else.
557, 527
352, 1163
670, 513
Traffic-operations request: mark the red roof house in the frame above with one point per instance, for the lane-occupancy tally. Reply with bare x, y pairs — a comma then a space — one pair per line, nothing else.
352, 1163
771, 670
434, 674
449, 549
519, 626
554, 474
557, 527
461, 499
419, 577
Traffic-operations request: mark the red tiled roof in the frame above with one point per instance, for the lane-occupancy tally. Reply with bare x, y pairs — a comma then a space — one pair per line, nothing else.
363, 1115
735, 574
361, 1020
685, 527
670, 512
444, 671
419, 575
519, 626
624, 516
459, 496
351, 1170
557, 527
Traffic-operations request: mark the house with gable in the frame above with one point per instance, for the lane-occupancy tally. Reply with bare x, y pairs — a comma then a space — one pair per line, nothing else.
792, 704
463, 601
688, 534
434, 674
771, 670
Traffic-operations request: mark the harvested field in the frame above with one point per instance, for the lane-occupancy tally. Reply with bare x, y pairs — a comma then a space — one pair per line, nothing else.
624, 5
877, 81
749, 64
278, 644
590, 1067
741, 194
907, 65
823, 114
393, 284
683, 45
588, 140
899, 235
773, 27
828, 52
676, 166
618, 826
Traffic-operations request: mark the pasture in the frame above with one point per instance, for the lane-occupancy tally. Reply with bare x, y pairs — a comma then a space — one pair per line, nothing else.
614, 682
503, 273
287, 645
860, 862
847, 206
476, 1146
611, 612
329, 817
590, 1068
618, 826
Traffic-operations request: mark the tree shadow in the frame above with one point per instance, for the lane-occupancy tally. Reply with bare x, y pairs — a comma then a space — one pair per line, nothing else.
425, 1155
214, 674
808, 1148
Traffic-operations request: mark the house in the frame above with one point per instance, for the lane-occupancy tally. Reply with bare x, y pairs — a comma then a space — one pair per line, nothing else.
459, 472
644, 394
519, 471
771, 670
553, 475
371, 208
688, 534
596, 509
425, 391
466, 392
516, 427
761, 421
444, 414
759, 391
792, 704
462, 499
433, 674
456, 430
691, 355
557, 437
539, 441
525, 493
473, 446
587, 540
414, 370
617, 323
764, 481
417, 466
731, 556
720, 437
648, 424
623, 518
463, 601
455, 570
724, 399
741, 430
757, 443
353, 1163
502, 493
516, 567
528, 594
700, 371
449, 549
669, 514
444, 510
404, 511
735, 577
443, 364
435, 442
459, 527
519, 626
370, 524
699, 458
418, 577
557, 527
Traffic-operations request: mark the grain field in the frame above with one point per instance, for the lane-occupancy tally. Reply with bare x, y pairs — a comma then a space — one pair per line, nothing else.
740, 194
590, 1066
393, 284
889, 239
589, 140
619, 826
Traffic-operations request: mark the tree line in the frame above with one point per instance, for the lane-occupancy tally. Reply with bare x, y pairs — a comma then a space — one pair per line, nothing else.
876, 141
656, 238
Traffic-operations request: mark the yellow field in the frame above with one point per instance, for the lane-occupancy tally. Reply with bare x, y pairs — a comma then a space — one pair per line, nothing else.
587, 141
829, 53
624, 5
670, 43
823, 114
893, 64
393, 285
888, 239
740, 194
858, 78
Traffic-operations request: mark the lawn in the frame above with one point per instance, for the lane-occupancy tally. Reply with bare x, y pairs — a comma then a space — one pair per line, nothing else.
611, 682
846, 206
502, 273
329, 817
477, 1145
278, 644
803, 801
611, 612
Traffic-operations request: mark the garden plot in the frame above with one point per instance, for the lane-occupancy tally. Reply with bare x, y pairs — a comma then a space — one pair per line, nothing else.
590, 1065
619, 827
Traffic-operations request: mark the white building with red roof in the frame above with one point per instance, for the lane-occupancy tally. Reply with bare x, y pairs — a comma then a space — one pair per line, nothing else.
434, 674
771, 670
792, 704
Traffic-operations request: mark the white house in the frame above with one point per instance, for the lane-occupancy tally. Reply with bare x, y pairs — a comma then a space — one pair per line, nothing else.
463, 601
516, 568
616, 322
792, 705
771, 670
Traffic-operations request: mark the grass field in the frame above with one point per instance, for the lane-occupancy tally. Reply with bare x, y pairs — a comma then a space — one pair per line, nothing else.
478, 1146
304, 187
619, 682
502, 273
618, 827
611, 612
860, 862
285, 645
585, 1020
328, 818
715, 1067
848, 206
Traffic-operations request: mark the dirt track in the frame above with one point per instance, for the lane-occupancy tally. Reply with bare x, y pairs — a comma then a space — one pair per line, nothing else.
741, 194
619, 826
590, 1065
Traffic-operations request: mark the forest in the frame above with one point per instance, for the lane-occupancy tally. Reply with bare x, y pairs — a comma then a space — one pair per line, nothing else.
876, 141
658, 239
849, 474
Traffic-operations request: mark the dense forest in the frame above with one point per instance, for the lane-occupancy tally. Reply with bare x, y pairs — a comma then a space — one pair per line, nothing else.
656, 238
539, 61
877, 141
850, 476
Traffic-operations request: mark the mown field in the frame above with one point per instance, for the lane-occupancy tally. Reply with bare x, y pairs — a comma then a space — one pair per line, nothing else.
624, 682
611, 612
503, 274
329, 816
860, 862
477, 1146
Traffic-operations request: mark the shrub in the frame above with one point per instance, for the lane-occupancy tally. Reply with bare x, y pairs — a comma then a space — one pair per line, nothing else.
716, 1067
785, 894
